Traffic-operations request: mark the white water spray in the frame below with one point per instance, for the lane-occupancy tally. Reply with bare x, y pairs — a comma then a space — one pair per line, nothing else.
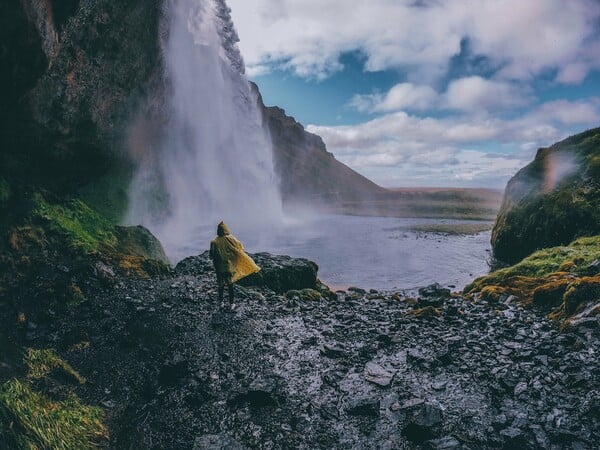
215, 159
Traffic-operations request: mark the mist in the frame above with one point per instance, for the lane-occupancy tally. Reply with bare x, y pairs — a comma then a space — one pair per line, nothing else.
214, 159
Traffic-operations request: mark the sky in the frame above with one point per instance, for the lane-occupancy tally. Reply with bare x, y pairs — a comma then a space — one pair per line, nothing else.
454, 93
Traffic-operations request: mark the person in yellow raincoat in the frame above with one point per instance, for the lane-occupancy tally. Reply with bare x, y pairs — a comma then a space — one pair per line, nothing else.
230, 260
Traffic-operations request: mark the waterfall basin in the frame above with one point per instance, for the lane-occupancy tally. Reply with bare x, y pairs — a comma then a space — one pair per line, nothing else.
383, 253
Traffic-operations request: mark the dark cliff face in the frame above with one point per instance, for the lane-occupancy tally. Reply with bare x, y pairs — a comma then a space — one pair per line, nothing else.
82, 99
551, 201
307, 171
73, 76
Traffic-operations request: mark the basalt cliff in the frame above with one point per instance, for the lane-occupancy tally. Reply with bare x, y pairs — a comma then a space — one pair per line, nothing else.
553, 200
82, 91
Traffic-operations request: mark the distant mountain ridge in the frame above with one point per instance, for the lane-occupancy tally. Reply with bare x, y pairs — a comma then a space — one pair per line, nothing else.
305, 167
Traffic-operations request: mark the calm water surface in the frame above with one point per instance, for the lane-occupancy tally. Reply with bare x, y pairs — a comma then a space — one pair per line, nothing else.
373, 252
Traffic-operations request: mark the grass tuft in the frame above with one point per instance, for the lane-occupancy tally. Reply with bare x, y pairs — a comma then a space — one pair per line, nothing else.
31, 421
40, 363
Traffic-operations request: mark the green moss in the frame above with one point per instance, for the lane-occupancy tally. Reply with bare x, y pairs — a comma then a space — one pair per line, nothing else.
29, 420
109, 194
576, 256
84, 228
41, 363
594, 166
138, 241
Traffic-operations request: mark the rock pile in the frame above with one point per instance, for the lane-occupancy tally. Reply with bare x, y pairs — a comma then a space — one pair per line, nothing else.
359, 371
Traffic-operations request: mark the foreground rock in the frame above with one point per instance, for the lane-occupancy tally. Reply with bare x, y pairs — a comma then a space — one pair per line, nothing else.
279, 273
172, 370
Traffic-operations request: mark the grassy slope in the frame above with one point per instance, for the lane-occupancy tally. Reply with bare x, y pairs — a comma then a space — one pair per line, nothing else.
557, 278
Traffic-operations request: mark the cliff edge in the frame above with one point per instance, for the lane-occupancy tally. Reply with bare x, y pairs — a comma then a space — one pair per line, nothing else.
552, 200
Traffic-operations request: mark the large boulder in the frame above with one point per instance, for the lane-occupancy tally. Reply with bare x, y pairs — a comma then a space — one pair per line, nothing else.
278, 272
551, 201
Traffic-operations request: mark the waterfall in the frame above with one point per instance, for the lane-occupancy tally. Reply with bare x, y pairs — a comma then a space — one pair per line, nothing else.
214, 160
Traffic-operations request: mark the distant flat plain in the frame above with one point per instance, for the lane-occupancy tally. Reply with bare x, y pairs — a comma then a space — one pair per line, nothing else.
478, 204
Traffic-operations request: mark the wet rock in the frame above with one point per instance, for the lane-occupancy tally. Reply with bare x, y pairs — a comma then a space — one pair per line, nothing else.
310, 341
173, 370
378, 375
304, 295
384, 340
445, 443
520, 388
260, 393
499, 421
514, 438
332, 351
104, 273
283, 273
357, 290
423, 423
363, 406
435, 290
216, 442
411, 403
593, 268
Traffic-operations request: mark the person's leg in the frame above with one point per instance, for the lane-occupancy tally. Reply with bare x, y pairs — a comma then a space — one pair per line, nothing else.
230, 292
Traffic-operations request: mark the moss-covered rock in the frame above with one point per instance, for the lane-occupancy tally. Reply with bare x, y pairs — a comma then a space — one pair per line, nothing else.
427, 311
555, 279
551, 201
85, 230
57, 247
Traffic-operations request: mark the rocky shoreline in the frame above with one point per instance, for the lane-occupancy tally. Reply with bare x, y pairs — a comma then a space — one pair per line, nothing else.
307, 368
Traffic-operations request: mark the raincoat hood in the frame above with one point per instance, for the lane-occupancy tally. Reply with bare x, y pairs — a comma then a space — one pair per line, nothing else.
223, 229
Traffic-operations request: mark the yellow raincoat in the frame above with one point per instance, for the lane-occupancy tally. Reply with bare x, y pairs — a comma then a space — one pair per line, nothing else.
229, 257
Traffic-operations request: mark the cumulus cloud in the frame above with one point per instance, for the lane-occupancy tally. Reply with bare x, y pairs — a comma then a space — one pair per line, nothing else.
570, 113
401, 96
476, 94
397, 147
483, 121
524, 38
469, 94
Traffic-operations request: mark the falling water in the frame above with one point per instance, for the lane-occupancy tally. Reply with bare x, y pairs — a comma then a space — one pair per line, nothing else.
215, 160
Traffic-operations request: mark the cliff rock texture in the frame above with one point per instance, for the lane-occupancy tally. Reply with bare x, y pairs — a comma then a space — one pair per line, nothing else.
82, 93
74, 75
306, 169
551, 201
